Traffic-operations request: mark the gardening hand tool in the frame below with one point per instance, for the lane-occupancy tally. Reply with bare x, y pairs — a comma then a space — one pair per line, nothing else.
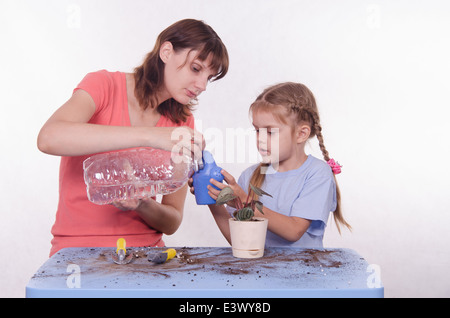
120, 257
162, 257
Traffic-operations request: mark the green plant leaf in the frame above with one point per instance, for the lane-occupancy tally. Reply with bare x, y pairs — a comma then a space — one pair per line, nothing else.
244, 214
225, 195
258, 191
259, 206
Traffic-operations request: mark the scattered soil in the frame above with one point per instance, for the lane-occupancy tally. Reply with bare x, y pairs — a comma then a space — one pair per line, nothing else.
195, 261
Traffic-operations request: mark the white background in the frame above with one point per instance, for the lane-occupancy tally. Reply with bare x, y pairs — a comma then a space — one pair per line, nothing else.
380, 73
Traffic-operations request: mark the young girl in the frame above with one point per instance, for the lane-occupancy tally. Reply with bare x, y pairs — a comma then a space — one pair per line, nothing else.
114, 110
304, 188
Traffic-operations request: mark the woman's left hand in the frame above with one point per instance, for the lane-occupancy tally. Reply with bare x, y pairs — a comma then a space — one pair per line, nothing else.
127, 205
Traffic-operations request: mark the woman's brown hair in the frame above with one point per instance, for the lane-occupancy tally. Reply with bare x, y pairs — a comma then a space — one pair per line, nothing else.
185, 34
295, 100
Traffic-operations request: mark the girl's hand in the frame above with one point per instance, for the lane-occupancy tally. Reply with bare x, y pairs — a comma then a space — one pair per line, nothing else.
231, 181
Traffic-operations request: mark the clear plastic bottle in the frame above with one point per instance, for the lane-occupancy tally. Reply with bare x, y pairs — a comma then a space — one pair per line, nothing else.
135, 174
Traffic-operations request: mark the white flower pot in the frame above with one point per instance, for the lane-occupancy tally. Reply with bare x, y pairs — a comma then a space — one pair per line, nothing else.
248, 237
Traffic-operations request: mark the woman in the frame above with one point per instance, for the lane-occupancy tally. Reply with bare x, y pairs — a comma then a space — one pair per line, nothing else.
112, 110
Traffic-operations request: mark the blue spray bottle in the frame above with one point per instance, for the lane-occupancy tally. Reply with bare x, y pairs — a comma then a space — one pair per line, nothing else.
201, 179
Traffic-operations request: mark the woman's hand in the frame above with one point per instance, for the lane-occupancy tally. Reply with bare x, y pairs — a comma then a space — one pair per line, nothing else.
191, 185
182, 140
127, 205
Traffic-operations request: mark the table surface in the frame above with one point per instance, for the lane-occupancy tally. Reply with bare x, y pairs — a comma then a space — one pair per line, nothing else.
205, 272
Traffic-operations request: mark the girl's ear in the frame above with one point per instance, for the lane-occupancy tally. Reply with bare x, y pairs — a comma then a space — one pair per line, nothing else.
302, 133
165, 51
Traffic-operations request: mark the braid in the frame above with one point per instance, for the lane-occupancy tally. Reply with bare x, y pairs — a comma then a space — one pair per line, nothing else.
309, 114
338, 217
318, 133
317, 128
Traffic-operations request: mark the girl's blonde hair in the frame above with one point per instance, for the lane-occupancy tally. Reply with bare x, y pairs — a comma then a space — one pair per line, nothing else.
293, 103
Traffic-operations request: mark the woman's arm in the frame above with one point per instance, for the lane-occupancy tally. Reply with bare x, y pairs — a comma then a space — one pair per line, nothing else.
68, 133
164, 217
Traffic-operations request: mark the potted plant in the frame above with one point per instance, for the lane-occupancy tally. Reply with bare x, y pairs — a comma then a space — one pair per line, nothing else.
248, 233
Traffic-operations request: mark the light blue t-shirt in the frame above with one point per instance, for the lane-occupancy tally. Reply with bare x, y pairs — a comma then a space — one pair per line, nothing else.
308, 192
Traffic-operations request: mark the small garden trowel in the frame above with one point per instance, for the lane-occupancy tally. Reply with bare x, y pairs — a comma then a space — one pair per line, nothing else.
162, 257
120, 257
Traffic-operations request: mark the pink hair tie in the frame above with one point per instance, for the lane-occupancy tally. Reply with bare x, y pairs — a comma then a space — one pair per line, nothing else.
335, 166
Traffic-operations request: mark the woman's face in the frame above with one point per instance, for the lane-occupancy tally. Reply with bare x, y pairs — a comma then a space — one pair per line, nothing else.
185, 76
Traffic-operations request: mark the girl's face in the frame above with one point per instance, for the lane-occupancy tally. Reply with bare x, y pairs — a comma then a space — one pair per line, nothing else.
185, 76
274, 138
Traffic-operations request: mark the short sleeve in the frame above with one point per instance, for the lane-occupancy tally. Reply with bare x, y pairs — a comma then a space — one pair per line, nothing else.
98, 85
315, 202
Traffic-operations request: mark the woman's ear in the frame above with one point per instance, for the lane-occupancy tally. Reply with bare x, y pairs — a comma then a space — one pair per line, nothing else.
302, 133
165, 51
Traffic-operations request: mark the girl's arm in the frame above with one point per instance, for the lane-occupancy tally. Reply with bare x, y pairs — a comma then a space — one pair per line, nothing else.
291, 228
219, 213
68, 133
221, 217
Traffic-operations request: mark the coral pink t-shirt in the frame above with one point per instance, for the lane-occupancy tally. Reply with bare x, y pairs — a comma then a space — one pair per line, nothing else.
79, 222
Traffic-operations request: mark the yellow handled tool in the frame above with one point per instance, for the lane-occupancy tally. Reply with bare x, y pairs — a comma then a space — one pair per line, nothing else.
163, 256
120, 257
121, 245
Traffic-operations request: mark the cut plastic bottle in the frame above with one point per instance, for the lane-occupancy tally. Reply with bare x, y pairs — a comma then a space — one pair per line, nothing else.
135, 174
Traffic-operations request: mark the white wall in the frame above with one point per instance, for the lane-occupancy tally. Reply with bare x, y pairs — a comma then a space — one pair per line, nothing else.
379, 70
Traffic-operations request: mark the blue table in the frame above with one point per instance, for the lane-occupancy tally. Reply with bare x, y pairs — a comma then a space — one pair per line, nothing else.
206, 272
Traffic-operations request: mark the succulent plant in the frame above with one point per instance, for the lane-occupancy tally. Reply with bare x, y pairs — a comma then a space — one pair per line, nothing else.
244, 211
